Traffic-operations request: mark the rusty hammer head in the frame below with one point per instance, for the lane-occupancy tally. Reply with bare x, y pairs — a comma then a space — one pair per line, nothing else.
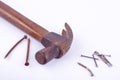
55, 45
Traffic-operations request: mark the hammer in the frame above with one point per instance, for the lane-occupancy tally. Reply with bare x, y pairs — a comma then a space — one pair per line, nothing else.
55, 45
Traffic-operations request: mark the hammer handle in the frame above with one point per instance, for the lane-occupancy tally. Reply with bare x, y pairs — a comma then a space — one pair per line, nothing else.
22, 22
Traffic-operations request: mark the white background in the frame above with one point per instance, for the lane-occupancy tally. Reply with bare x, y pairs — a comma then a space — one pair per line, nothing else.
96, 27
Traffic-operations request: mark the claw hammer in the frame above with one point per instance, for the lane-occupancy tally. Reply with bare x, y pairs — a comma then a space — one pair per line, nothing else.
55, 45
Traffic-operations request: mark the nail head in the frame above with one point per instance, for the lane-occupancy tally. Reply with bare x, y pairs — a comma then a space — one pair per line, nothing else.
26, 64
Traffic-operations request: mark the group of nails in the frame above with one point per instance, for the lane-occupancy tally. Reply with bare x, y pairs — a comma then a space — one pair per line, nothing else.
28, 48
101, 56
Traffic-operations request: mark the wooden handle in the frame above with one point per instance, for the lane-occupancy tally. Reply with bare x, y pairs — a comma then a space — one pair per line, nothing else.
22, 22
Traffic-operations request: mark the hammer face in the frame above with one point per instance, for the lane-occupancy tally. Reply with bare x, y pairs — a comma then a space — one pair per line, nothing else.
45, 55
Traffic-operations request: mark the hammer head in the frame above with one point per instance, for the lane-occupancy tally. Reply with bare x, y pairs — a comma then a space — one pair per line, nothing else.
55, 45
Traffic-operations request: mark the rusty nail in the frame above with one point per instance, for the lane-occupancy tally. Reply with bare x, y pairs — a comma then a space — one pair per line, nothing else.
95, 60
25, 37
27, 55
91, 73
89, 57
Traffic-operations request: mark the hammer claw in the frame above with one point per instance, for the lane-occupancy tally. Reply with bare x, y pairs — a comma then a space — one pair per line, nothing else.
68, 35
69, 32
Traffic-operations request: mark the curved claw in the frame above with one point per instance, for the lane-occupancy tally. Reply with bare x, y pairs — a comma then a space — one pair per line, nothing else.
68, 34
